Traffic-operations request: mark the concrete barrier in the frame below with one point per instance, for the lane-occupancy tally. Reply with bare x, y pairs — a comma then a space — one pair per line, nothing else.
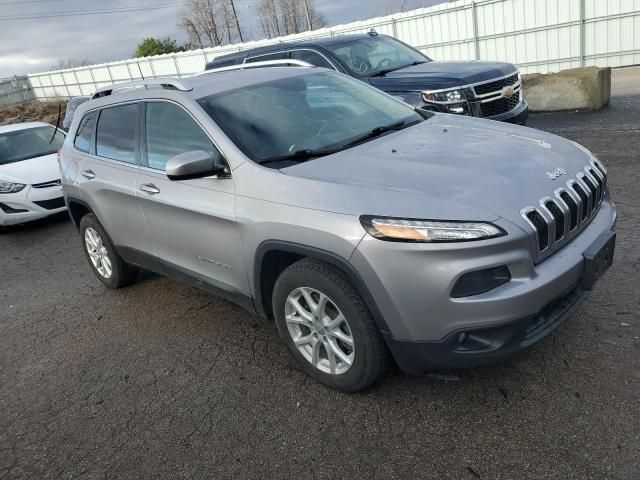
575, 89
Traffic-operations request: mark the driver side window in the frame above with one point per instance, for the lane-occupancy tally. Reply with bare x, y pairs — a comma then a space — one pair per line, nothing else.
170, 131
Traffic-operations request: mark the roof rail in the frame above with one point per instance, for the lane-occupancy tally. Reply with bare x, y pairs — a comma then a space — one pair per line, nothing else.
266, 63
168, 83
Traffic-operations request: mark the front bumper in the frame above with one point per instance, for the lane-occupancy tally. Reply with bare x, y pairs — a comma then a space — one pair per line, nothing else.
30, 204
489, 344
422, 322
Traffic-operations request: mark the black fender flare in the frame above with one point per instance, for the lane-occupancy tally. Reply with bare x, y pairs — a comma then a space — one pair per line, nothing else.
325, 256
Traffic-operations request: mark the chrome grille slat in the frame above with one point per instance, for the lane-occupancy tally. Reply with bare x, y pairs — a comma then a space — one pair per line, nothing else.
52, 183
558, 218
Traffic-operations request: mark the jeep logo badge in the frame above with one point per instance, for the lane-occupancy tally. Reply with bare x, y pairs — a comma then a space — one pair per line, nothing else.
558, 172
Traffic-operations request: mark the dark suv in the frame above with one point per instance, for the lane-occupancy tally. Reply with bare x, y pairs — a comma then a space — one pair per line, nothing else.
479, 89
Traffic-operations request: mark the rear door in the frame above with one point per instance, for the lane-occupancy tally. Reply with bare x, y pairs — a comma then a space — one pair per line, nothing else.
108, 171
191, 222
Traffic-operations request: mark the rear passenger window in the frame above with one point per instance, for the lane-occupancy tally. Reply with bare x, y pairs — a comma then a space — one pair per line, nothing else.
116, 136
309, 56
171, 131
85, 131
269, 57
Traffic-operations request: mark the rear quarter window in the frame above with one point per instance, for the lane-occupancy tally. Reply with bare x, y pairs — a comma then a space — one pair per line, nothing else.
84, 134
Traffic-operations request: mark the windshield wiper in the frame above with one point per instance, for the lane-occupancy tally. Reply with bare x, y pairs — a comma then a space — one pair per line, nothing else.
307, 153
299, 155
376, 132
382, 73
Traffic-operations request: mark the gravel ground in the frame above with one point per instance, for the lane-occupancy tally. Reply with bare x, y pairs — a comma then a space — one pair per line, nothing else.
163, 381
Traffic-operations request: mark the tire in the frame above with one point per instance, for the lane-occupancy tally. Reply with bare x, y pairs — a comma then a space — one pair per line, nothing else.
104, 260
325, 335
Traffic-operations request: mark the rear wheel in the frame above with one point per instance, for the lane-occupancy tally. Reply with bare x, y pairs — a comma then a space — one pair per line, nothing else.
327, 327
103, 258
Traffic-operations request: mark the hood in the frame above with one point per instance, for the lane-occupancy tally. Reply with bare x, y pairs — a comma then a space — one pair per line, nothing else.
477, 165
440, 75
32, 171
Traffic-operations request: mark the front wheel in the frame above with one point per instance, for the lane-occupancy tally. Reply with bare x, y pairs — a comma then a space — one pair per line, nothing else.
327, 327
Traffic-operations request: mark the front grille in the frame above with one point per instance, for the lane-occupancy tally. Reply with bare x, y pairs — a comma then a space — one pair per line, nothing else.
584, 199
52, 183
558, 219
51, 204
500, 106
573, 209
496, 85
542, 228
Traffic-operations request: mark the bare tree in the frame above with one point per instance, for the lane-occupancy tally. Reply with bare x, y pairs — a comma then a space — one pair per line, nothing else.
210, 23
284, 17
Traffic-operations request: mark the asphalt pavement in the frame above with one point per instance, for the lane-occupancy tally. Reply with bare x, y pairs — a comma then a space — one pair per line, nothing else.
161, 380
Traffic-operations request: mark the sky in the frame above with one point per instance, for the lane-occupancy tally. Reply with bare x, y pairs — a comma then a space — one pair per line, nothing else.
32, 45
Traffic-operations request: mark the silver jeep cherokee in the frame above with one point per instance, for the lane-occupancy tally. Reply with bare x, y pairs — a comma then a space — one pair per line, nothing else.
368, 230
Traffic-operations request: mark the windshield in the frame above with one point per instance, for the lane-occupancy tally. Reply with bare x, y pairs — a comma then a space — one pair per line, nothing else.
368, 57
312, 112
29, 143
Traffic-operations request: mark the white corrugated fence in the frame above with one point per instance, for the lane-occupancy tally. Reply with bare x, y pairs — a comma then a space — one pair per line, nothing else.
537, 35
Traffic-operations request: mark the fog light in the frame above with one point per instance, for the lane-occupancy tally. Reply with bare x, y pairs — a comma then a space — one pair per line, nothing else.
480, 281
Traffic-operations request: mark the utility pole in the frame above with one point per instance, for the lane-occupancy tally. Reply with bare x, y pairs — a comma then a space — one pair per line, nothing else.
235, 15
306, 11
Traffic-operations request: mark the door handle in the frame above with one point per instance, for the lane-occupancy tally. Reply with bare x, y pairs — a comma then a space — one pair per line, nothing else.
149, 188
88, 174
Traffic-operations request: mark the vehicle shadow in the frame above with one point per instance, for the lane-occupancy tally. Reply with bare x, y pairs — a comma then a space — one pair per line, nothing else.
36, 225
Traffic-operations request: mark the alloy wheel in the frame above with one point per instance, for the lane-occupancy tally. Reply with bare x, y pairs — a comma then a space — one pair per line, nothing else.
98, 253
319, 330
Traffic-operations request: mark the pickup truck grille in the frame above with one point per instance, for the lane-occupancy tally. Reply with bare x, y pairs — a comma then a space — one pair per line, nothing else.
496, 85
496, 97
502, 105
559, 218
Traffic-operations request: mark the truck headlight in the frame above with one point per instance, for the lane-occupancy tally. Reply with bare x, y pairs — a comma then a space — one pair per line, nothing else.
449, 96
10, 187
410, 230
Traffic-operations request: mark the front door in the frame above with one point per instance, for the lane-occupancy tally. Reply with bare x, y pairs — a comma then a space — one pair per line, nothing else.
191, 222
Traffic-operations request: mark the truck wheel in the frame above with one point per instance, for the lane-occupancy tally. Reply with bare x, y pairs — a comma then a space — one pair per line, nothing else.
103, 258
327, 327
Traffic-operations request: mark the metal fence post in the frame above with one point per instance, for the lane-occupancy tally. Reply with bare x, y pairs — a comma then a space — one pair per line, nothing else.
175, 63
75, 75
583, 46
476, 39
93, 79
394, 27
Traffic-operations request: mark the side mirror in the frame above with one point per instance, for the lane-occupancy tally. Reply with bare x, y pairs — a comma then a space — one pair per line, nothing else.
196, 164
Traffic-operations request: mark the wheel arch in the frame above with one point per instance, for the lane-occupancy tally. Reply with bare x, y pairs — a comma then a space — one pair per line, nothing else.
77, 209
273, 256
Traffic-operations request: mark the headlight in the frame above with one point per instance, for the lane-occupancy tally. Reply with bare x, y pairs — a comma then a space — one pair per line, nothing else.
9, 187
450, 96
409, 230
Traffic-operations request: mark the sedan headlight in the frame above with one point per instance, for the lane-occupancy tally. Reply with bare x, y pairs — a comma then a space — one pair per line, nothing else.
449, 96
409, 230
9, 187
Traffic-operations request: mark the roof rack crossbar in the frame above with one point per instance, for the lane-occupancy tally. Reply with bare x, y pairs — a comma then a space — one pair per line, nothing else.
169, 83
266, 63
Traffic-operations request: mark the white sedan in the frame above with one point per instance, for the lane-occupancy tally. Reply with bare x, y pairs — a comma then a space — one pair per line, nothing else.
29, 172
